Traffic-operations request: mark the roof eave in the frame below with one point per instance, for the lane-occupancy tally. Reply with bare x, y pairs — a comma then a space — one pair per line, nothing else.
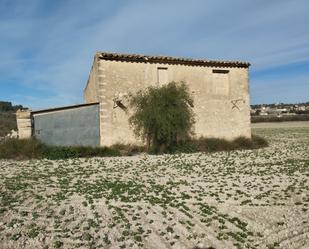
170, 60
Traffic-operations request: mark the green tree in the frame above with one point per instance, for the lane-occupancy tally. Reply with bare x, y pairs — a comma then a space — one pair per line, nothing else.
162, 116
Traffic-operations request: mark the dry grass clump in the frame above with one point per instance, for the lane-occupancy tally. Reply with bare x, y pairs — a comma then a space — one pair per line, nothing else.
22, 149
7, 123
128, 149
216, 144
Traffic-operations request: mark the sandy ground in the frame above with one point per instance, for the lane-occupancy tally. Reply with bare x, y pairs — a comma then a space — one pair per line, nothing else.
240, 199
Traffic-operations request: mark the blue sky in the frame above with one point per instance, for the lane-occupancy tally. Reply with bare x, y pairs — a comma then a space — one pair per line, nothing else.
47, 46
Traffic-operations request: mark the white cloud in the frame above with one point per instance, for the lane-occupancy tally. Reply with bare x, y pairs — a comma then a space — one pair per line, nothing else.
52, 47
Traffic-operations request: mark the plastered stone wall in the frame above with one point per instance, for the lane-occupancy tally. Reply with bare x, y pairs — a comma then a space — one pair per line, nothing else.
92, 88
217, 115
24, 126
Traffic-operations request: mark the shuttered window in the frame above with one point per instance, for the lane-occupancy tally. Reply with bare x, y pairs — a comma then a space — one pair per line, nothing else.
162, 76
220, 82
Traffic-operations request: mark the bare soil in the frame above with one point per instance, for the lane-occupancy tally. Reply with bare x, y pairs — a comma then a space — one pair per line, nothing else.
239, 199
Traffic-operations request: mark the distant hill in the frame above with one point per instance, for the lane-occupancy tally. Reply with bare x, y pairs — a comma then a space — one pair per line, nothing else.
7, 117
8, 107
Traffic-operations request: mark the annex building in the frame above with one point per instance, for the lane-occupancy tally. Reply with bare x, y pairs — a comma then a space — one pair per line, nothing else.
220, 90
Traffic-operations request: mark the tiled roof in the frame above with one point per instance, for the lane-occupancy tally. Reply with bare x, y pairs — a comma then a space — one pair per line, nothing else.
170, 60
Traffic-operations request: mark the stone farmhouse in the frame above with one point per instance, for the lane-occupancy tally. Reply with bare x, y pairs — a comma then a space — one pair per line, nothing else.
220, 90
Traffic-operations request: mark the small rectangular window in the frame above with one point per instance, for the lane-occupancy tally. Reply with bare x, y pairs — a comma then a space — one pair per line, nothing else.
220, 82
162, 75
220, 71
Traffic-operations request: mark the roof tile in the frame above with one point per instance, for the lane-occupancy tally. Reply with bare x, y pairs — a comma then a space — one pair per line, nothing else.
170, 60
